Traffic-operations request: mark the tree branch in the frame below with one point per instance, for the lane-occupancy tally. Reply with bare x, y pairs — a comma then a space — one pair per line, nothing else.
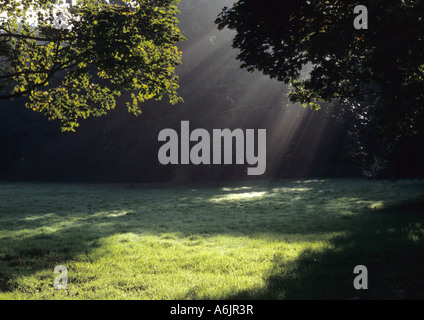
21, 36
50, 74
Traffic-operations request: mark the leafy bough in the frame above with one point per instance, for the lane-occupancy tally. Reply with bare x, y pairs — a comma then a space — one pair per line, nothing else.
74, 60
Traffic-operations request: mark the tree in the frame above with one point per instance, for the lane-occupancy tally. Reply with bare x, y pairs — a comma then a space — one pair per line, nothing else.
73, 60
381, 67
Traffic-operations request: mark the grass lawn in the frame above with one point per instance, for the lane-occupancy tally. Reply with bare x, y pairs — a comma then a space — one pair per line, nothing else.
290, 239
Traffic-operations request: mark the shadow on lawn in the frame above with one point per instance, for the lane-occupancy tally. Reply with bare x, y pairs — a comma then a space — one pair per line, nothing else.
390, 244
389, 241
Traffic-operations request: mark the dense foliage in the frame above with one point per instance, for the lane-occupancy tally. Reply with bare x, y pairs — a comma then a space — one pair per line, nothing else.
381, 67
73, 60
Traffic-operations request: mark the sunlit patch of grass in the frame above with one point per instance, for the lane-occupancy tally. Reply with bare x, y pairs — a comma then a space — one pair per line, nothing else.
239, 196
274, 240
376, 205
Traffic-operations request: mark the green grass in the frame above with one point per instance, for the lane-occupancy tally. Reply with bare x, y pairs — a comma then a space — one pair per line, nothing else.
267, 240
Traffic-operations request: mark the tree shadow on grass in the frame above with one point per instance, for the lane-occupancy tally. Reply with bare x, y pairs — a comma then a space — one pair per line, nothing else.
388, 240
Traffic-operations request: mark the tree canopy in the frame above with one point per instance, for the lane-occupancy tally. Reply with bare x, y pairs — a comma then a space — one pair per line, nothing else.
382, 66
73, 59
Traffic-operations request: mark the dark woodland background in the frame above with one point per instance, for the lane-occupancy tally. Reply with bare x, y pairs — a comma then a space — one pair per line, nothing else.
332, 142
